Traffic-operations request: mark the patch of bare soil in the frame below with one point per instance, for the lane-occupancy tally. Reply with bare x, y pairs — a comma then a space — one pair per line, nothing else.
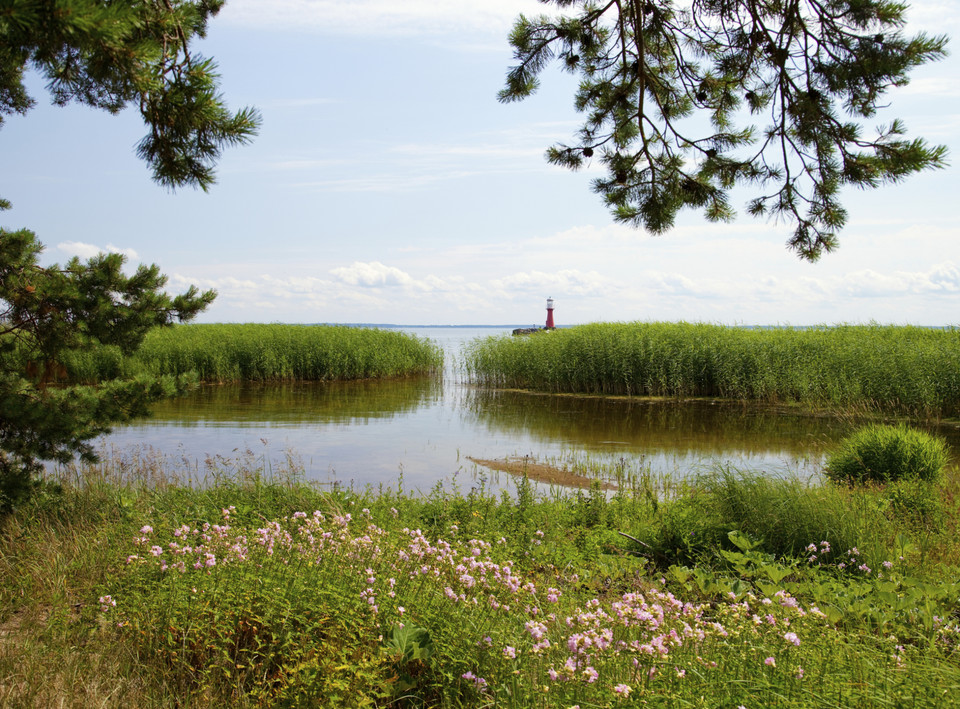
542, 473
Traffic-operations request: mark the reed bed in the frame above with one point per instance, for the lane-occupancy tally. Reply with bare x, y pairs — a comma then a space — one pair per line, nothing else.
902, 369
260, 352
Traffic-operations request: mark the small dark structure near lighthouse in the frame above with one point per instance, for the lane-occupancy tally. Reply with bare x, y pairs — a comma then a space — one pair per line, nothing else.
532, 330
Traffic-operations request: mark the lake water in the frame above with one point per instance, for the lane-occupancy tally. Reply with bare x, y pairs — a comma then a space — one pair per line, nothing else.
368, 433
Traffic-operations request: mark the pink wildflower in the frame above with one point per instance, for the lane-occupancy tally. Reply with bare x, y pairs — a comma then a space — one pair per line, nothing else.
770, 662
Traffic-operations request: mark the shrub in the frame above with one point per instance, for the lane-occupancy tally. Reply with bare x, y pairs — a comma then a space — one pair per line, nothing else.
879, 453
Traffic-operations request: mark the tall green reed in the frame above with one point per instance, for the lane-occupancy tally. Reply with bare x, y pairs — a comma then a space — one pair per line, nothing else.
899, 369
261, 352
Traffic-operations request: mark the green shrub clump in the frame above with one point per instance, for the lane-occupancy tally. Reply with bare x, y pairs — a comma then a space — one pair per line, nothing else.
879, 453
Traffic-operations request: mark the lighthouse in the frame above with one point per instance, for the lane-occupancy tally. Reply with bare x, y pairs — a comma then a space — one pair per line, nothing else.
550, 325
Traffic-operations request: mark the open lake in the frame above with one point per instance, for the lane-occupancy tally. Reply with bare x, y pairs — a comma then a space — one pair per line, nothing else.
369, 432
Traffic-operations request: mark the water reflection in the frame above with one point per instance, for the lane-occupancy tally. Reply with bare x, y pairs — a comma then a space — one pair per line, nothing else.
369, 432
709, 428
296, 403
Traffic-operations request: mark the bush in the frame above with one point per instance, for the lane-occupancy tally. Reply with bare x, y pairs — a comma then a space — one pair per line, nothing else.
880, 453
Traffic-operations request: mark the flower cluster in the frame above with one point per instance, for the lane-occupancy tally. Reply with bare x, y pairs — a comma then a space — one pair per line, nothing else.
608, 646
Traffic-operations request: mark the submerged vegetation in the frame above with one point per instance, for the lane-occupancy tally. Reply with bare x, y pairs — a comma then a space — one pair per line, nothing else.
121, 586
897, 369
259, 352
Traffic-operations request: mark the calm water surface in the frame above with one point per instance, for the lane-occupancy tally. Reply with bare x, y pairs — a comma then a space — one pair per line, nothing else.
369, 432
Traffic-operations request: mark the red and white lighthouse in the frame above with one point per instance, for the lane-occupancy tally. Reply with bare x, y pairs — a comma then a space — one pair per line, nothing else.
550, 325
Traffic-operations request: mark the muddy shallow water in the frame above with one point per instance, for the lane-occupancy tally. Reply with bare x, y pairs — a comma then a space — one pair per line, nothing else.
429, 428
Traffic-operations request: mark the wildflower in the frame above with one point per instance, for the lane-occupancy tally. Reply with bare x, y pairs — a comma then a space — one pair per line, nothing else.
800, 672
888, 564
770, 662
106, 603
510, 652
480, 682
146, 529
622, 689
401, 610
792, 638
590, 675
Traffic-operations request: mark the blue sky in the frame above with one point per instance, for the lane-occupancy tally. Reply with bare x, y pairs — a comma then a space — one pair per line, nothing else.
389, 185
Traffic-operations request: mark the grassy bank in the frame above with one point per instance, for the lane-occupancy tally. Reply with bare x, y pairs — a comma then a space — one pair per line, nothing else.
261, 352
908, 370
127, 588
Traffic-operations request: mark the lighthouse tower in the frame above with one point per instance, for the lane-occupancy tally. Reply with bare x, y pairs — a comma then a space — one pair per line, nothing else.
550, 325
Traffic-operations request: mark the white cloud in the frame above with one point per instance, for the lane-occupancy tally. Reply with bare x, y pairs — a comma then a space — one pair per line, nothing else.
373, 274
568, 281
87, 251
933, 16
941, 279
932, 86
225, 284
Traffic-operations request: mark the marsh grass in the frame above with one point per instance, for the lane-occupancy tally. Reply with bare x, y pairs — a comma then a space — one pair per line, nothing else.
261, 352
902, 369
255, 588
881, 453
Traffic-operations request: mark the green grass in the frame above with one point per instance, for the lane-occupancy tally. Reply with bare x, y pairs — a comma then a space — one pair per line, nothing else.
879, 453
260, 352
123, 585
909, 370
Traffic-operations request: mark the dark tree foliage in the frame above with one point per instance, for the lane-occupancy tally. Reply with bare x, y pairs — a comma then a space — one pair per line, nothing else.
670, 93
115, 53
108, 54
